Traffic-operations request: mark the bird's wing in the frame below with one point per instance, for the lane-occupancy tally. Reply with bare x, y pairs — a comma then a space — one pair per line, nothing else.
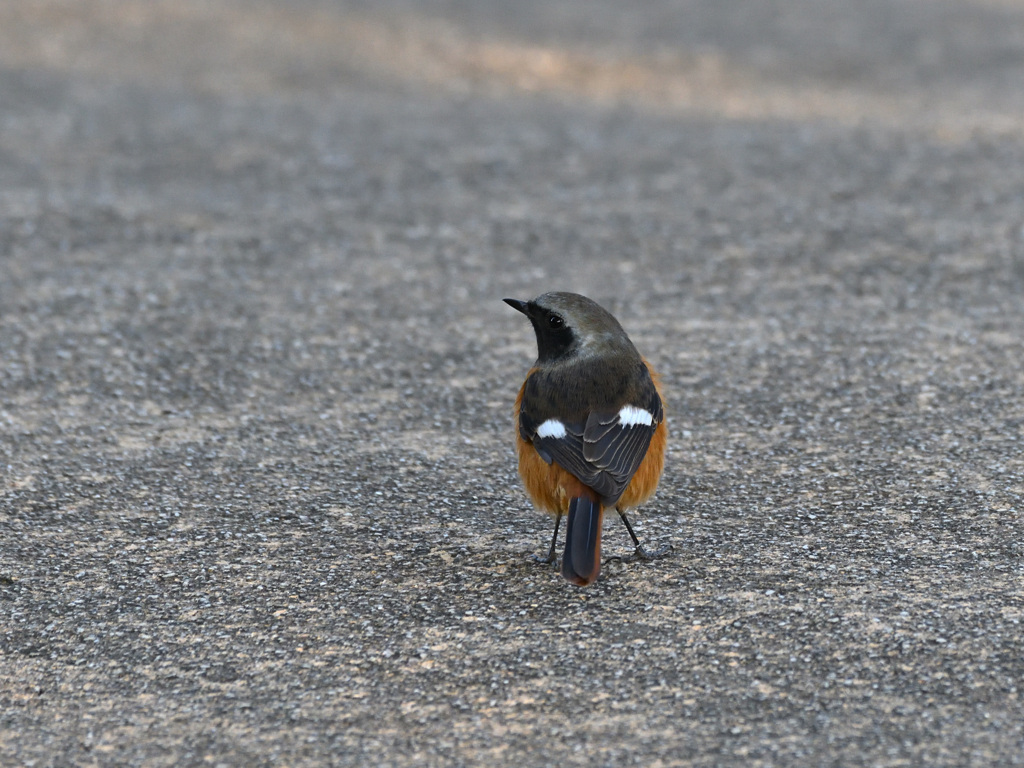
605, 450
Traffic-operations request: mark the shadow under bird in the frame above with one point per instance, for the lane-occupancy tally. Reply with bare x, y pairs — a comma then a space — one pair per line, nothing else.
591, 426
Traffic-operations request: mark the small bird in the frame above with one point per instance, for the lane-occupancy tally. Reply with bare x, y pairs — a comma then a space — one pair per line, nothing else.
591, 426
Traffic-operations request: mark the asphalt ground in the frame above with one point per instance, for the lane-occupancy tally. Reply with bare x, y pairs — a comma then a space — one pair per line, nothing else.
258, 501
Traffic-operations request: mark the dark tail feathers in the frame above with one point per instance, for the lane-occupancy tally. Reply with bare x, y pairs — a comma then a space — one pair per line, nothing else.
581, 562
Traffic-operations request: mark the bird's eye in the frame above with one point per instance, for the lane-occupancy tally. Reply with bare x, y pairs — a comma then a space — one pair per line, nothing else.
555, 321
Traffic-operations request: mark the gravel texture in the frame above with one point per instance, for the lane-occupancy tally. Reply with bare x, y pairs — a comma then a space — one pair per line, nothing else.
258, 501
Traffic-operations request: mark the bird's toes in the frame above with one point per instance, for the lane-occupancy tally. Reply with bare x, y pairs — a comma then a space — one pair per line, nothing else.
642, 553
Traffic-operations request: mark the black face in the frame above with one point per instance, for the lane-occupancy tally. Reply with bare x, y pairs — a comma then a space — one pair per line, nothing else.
554, 336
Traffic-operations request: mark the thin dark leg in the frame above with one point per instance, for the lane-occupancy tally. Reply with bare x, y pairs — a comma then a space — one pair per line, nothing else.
554, 540
641, 553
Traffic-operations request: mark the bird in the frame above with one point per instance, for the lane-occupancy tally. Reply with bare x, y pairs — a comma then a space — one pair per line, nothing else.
590, 427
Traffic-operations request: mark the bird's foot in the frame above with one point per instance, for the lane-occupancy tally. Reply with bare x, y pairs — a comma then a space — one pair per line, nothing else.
642, 553
549, 560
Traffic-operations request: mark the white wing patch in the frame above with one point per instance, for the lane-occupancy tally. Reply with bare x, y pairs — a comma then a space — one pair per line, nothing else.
630, 416
552, 428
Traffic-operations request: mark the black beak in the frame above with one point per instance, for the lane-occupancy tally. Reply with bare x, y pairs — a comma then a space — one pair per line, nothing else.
519, 306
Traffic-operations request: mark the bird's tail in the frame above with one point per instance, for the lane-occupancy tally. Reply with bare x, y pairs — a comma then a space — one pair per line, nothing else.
581, 562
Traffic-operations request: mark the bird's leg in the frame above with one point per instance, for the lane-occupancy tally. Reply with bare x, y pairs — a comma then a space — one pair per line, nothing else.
554, 540
641, 552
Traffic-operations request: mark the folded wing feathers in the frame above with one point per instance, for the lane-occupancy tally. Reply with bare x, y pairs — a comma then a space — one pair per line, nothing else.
605, 451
